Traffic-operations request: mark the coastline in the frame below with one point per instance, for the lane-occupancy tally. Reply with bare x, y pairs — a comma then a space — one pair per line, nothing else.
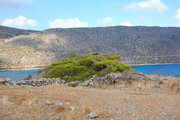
39, 67
17, 68
152, 64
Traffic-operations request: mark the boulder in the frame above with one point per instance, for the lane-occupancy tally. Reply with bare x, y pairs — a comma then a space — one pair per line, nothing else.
72, 108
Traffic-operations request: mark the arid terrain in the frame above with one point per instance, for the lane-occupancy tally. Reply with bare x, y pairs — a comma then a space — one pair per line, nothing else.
59, 102
136, 45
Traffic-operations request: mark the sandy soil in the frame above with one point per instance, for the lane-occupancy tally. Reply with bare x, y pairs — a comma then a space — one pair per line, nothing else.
18, 103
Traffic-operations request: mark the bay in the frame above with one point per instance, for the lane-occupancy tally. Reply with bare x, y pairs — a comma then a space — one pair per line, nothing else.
17, 75
164, 69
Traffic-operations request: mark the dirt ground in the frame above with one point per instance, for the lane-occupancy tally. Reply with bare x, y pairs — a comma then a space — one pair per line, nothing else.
28, 103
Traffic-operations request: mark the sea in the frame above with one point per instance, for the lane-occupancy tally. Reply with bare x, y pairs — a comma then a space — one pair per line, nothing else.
164, 69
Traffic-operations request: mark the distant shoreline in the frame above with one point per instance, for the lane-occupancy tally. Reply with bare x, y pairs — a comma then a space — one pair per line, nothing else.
16, 68
39, 67
152, 64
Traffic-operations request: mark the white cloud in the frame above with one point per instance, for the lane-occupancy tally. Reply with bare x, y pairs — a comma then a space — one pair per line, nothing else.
106, 21
13, 3
20, 22
126, 24
178, 16
151, 5
70, 23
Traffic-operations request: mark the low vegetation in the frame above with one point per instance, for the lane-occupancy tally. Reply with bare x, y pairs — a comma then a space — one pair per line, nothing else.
79, 68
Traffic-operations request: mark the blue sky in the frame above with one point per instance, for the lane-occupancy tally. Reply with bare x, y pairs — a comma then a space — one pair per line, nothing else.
44, 14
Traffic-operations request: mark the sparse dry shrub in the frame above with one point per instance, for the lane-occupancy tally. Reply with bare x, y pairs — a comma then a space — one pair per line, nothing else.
145, 84
87, 110
104, 115
53, 90
175, 86
138, 85
75, 116
161, 82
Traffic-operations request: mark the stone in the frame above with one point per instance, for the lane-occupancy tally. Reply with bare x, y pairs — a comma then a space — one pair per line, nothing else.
6, 84
86, 83
72, 108
93, 115
61, 104
49, 102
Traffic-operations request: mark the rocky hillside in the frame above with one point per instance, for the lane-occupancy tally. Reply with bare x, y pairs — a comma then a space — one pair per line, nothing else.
137, 45
7, 32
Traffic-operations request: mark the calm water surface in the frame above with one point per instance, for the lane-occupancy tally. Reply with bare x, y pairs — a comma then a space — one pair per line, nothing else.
167, 69
164, 69
17, 75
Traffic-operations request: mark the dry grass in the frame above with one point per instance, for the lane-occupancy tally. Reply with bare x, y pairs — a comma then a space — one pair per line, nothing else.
175, 86
87, 110
17, 103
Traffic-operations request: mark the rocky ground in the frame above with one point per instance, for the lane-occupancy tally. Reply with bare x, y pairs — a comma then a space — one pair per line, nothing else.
112, 97
59, 102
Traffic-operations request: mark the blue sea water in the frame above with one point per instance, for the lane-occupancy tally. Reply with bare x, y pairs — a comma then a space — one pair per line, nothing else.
164, 69
17, 75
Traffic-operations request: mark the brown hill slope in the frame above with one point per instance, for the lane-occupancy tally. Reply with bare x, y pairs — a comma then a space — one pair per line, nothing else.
137, 45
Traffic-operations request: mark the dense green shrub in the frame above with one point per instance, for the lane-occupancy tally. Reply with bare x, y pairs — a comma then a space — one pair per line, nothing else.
79, 68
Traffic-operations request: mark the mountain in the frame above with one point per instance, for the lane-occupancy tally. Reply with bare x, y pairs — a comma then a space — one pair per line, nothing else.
136, 45
8, 32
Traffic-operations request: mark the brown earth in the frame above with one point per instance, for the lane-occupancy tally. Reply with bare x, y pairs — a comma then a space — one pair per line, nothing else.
113, 103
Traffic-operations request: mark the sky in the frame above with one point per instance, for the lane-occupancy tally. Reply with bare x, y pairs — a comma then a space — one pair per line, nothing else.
45, 14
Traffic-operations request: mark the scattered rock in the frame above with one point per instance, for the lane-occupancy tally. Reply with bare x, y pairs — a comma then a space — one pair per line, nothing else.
72, 108
49, 102
93, 115
114, 78
7, 82
61, 104
41, 82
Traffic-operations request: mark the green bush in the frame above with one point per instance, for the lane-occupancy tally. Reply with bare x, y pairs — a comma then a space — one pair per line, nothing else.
79, 68
72, 84
86, 62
